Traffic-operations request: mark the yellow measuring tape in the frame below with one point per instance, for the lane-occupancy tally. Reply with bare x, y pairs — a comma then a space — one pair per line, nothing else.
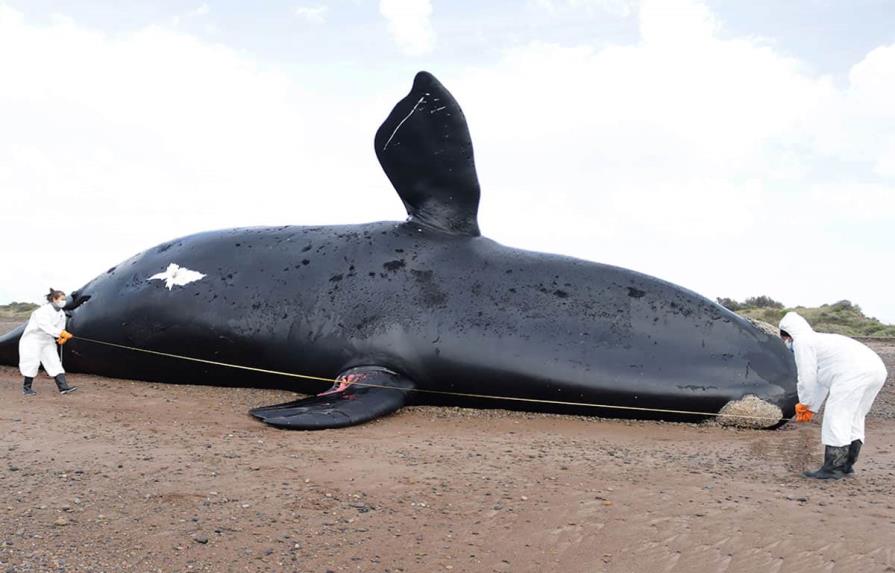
425, 391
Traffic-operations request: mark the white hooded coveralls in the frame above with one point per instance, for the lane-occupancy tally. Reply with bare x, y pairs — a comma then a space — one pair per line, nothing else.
833, 364
38, 343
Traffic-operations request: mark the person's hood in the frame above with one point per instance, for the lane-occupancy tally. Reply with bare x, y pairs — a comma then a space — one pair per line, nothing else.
795, 325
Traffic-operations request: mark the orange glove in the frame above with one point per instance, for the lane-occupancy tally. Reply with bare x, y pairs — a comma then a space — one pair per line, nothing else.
64, 337
803, 414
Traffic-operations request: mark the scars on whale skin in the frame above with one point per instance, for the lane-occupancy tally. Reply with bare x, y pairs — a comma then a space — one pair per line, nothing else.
409, 311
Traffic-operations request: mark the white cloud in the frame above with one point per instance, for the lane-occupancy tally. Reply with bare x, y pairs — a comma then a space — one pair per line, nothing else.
111, 144
202, 10
689, 155
199, 11
864, 128
621, 8
312, 14
409, 22
676, 25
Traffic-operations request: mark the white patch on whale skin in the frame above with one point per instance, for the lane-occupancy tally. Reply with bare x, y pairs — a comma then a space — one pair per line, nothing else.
406, 117
175, 275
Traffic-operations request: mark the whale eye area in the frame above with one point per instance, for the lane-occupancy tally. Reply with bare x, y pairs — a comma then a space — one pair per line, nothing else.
636, 292
393, 266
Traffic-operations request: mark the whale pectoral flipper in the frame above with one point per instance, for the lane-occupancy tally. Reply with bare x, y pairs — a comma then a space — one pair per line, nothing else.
373, 393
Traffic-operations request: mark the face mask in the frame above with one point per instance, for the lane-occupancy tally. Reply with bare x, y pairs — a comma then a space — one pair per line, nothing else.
59, 303
788, 344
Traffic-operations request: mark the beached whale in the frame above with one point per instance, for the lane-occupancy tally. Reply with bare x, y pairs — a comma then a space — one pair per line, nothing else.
420, 310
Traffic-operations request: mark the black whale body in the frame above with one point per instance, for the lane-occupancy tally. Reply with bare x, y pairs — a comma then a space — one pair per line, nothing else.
427, 304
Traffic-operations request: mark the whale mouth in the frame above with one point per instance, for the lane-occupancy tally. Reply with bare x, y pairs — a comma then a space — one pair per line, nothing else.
750, 411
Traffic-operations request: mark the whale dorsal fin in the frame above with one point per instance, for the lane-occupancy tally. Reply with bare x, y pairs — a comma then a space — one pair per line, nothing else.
425, 149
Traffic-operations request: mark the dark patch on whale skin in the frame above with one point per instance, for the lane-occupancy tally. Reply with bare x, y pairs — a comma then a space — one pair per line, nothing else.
393, 266
636, 293
430, 294
429, 299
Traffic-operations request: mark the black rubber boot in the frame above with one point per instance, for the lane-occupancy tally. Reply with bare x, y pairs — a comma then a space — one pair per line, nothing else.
26, 387
853, 451
63, 386
835, 459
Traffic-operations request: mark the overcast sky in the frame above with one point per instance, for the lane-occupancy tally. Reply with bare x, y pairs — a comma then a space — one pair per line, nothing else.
735, 148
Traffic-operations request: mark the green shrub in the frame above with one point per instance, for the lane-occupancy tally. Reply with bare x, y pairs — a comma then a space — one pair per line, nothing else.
843, 317
16, 310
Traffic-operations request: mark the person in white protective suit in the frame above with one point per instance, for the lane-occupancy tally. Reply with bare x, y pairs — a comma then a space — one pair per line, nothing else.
45, 329
845, 373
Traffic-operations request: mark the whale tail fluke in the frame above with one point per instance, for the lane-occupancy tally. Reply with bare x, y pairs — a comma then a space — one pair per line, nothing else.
371, 393
9, 346
425, 149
